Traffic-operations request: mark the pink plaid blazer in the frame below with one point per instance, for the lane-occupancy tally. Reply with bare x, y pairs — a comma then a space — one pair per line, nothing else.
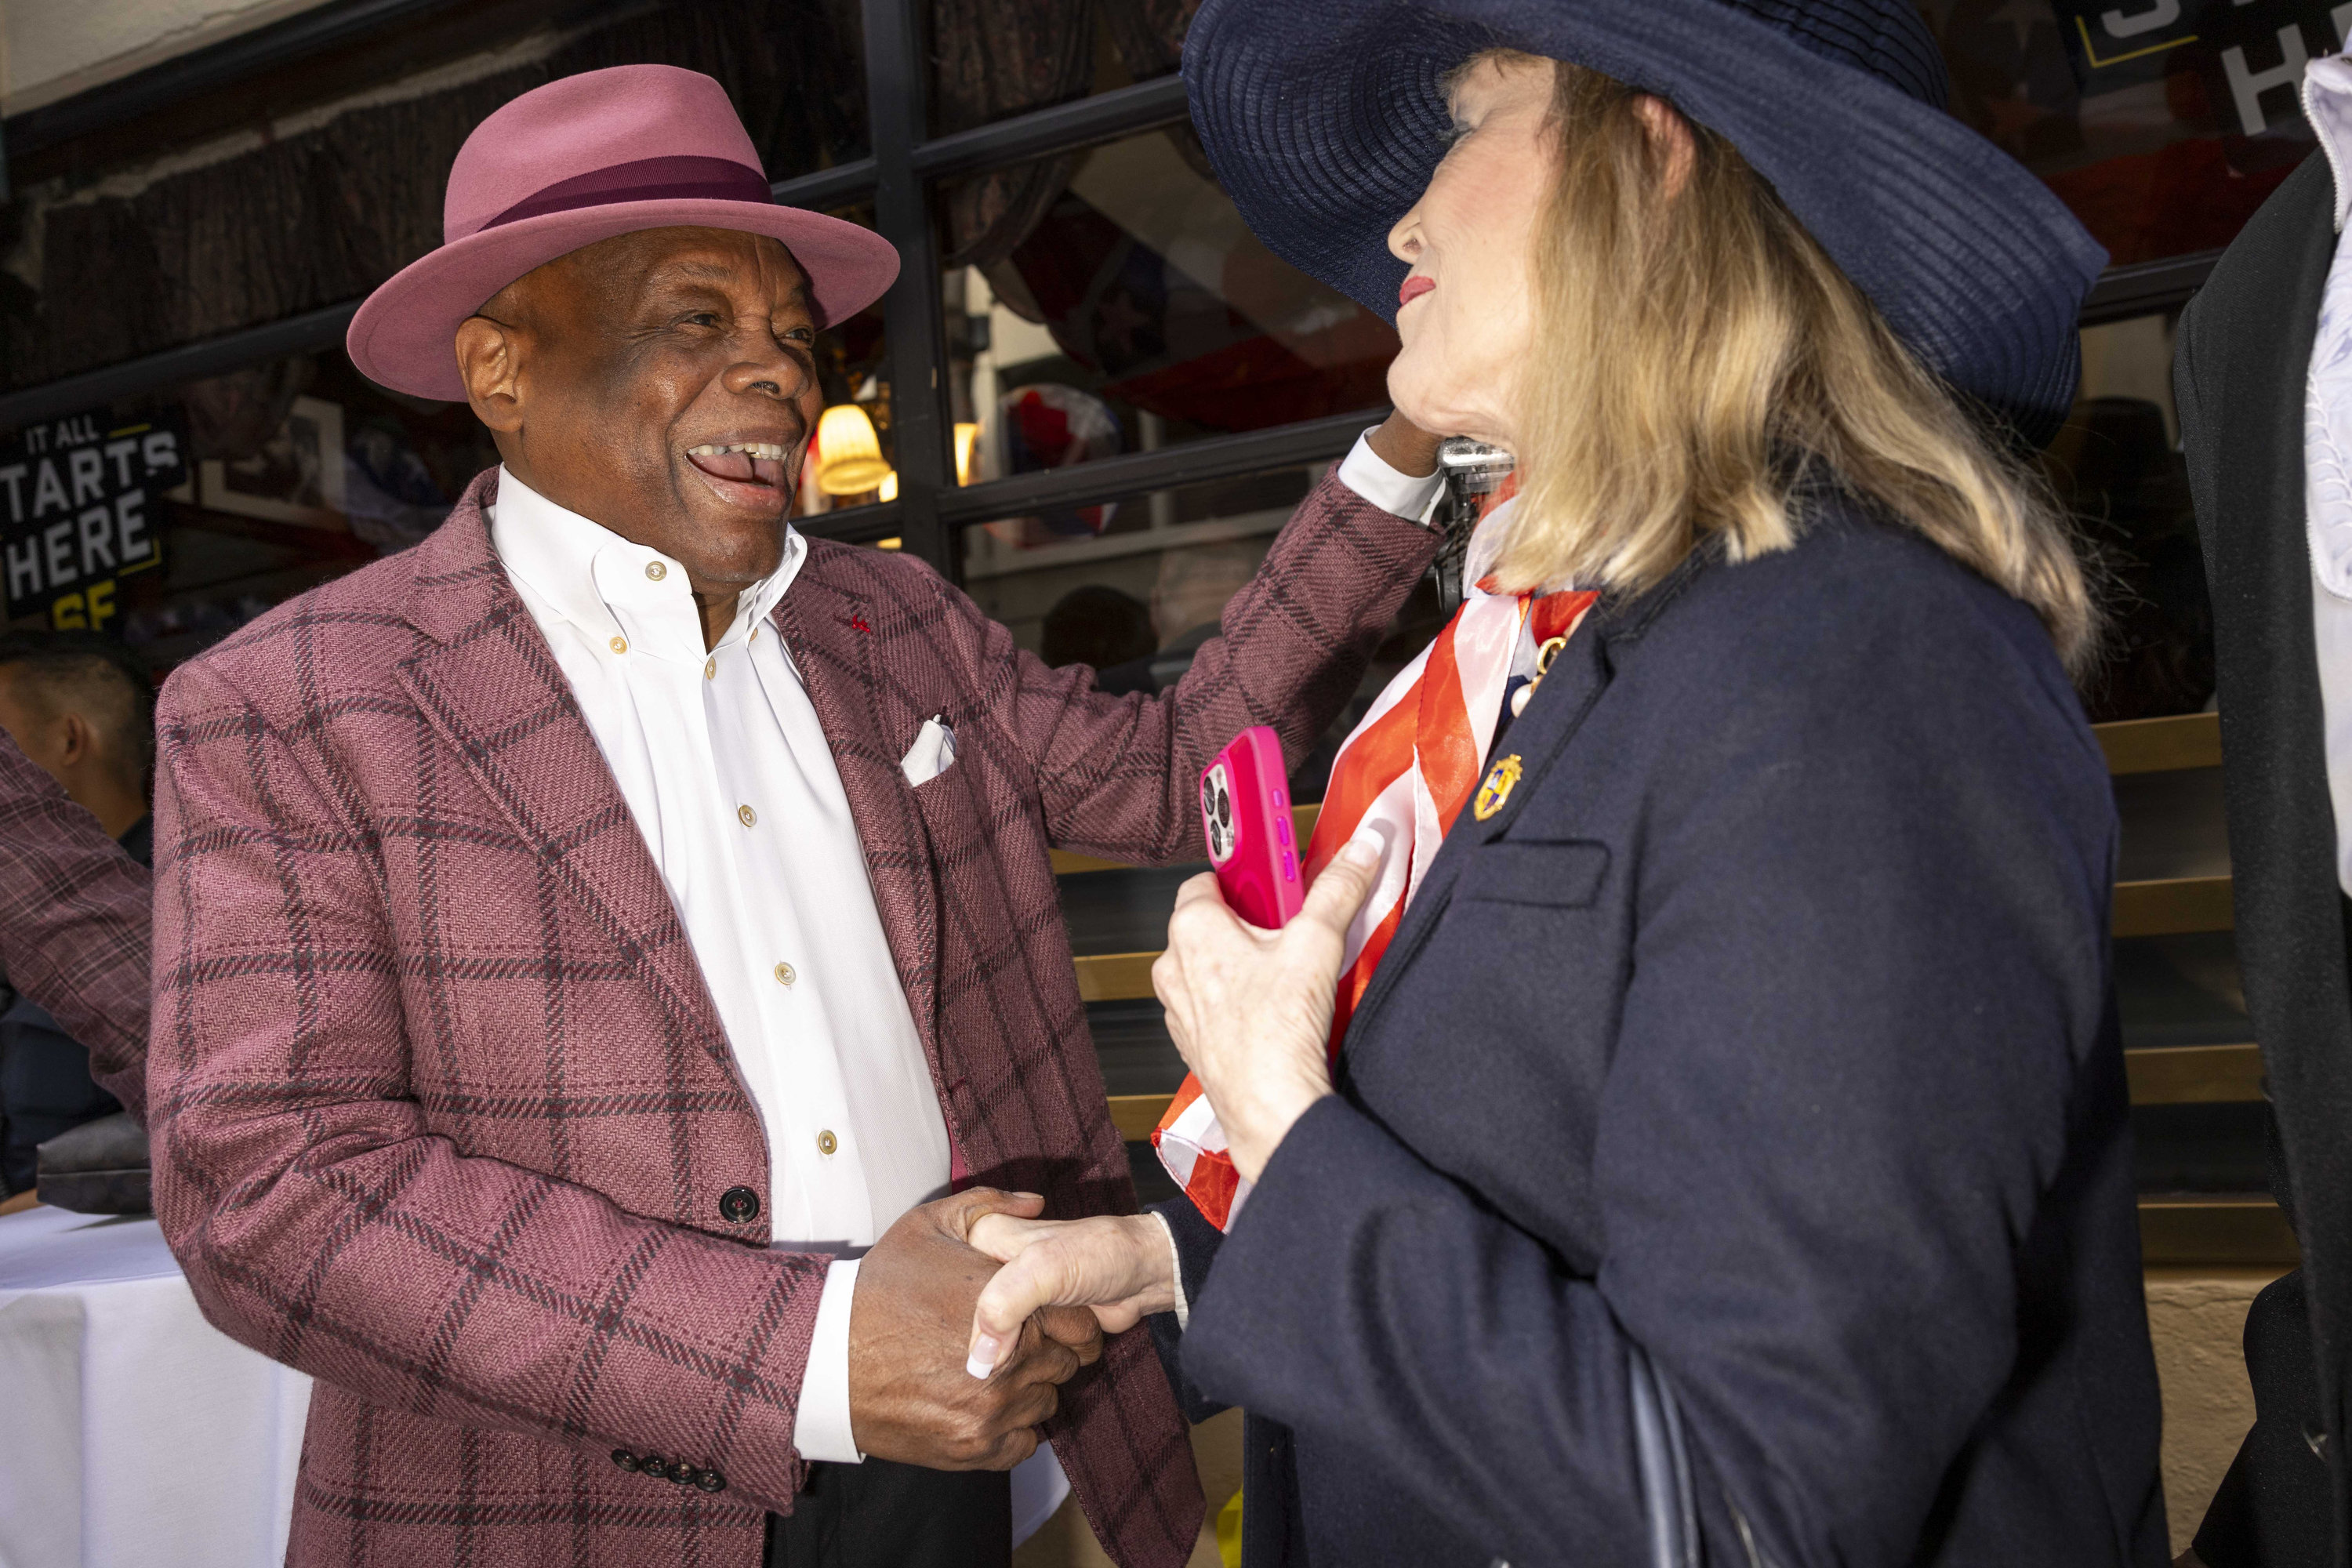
73, 925
443, 1110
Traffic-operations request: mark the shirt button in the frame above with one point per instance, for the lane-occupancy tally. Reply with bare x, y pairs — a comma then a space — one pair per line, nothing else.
620, 645
738, 1205
711, 668
826, 1142
750, 816
657, 571
786, 974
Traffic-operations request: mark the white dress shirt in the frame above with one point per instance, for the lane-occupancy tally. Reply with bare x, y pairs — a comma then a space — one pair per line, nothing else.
2327, 457
733, 784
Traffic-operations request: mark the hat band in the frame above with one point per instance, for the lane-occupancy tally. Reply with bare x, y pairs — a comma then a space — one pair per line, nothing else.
644, 180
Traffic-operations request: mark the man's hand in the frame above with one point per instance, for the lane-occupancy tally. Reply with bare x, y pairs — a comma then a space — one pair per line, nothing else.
1119, 1267
1405, 446
910, 1398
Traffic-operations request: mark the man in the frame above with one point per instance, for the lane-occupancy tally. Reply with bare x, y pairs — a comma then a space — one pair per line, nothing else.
73, 925
2266, 421
584, 933
78, 705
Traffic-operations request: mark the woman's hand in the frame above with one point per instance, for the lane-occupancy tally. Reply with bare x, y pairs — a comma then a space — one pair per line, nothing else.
1121, 1266
1251, 1009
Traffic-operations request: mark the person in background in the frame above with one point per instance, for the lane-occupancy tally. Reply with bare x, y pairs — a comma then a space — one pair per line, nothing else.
81, 706
2263, 374
1725, 1154
1097, 626
1193, 587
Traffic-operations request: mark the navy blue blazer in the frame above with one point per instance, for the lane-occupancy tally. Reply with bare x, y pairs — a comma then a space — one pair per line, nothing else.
1768, 1025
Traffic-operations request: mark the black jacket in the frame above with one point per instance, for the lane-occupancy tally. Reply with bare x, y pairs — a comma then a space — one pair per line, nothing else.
2243, 356
1767, 1027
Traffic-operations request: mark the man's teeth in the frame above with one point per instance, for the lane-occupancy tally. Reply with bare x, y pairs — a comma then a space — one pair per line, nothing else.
767, 450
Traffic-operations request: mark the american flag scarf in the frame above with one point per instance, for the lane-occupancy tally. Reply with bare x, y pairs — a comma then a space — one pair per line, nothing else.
1407, 771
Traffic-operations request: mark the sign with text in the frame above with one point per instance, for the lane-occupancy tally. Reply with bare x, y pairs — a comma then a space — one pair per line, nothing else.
2251, 53
79, 510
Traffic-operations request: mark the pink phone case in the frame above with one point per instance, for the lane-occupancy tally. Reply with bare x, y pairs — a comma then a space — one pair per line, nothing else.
1246, 812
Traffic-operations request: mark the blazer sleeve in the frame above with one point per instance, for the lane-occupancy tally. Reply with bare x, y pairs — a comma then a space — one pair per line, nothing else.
1117, 773
1196, 1248
321, 1221
74, 924
1815, 1158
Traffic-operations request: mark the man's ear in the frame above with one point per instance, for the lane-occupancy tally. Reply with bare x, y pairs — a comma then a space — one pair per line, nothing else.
489, 359
76, 739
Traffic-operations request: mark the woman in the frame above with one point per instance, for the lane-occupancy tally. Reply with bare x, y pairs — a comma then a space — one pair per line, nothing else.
1752, 1026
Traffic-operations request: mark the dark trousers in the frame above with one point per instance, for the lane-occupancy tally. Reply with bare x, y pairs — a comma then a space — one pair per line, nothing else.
2272, 1511
885, 1515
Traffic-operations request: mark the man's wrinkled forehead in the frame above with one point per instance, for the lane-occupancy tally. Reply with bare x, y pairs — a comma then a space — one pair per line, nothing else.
631, 268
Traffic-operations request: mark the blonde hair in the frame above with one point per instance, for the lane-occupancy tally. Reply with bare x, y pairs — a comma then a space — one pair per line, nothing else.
1699, 357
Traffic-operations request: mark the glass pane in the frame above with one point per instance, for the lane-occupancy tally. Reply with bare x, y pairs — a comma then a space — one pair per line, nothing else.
853, 454
995, 58
794, 69
2162, 125
2116, 464
1133, 587
1123, 306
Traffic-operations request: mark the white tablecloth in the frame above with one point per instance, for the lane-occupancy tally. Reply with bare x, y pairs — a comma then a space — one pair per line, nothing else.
132, 1433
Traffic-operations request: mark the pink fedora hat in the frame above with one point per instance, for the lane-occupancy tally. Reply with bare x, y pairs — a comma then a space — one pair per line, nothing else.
580, 160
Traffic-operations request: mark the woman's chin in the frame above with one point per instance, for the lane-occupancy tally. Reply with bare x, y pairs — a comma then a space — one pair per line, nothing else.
1433, 408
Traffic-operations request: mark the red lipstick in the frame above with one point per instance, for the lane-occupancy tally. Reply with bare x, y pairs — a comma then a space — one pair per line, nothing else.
1413, 289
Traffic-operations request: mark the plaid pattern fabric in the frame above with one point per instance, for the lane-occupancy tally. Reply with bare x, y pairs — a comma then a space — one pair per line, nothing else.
73, 925
443, 1110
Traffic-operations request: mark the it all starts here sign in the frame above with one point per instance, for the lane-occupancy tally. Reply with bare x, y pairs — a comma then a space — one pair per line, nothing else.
78, 511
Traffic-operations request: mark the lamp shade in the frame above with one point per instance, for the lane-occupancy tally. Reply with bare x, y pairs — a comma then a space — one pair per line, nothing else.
848, 454
889, 488
966, 439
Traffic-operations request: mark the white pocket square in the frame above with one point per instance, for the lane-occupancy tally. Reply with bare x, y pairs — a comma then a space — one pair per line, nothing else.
932, 753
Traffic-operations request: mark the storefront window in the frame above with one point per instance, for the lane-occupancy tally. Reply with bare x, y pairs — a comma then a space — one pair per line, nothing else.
992, 60
1127, 307
2117, 468
2162, 123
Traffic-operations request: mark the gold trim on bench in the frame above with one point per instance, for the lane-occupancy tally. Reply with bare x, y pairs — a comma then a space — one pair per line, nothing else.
2195, 1228
1115, 976
2194, 1075
1065, 861
2161, 745
1135, 1115
2173, 905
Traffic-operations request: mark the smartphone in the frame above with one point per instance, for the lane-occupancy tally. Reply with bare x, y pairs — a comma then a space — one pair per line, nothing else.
1245, 815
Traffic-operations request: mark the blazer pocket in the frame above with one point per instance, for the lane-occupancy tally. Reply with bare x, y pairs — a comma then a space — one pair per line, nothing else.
1561, 874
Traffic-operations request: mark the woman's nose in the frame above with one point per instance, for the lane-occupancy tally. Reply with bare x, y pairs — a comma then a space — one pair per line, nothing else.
1404, 239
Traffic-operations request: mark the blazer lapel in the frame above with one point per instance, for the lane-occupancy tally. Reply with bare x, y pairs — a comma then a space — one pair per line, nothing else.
490, 685
833, 627
1576, 681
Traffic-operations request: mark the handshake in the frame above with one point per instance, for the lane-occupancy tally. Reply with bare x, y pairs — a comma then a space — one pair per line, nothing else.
970, 1313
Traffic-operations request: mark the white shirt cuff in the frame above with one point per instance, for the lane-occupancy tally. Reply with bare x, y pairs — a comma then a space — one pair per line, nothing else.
1409, 496
821, 1424
1176, 1270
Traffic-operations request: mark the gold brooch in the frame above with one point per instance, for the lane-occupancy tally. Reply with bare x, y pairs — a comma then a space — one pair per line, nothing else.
1497, 787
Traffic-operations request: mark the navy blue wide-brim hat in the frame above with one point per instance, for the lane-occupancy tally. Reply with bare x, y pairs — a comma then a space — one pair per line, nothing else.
1325, 119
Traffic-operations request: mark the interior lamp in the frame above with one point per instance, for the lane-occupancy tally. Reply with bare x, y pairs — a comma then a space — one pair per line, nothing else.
966, 441
889, 489
849, 454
